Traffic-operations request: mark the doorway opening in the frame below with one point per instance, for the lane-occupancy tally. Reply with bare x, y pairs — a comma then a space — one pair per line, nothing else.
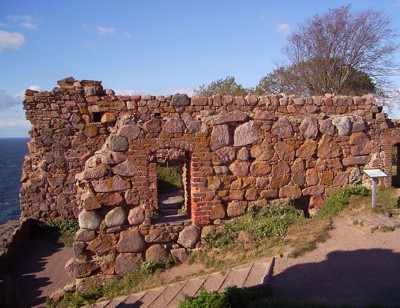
396, 165
173, 191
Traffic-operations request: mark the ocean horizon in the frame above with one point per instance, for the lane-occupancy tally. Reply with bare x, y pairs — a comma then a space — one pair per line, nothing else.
12, 153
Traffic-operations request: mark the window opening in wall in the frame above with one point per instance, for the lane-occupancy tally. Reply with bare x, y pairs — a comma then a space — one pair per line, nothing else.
96, 116
396, 165
172, 191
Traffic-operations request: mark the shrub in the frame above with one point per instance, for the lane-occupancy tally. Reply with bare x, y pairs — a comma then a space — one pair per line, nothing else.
337, 201
269, 221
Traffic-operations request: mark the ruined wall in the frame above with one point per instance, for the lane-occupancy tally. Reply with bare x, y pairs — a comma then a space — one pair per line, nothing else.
239, 152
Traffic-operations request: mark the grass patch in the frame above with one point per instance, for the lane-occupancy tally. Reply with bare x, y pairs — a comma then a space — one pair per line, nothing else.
57, 231
168, 179
65, 229
241, 298
386, 200
258, 233
258, 224
338, 201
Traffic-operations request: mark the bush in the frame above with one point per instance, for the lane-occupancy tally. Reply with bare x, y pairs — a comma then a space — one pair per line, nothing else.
269, 221
337, 201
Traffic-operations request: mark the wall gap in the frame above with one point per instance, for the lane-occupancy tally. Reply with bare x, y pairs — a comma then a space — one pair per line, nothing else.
396, 165
173, 190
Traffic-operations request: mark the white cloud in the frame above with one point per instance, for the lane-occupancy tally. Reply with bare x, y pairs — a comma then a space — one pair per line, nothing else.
11, 40
35, 87
17, 123
126, 92
285, 29
7, 101
156, 91
182, 90
126, 34
19, 18
28, 25
105, 30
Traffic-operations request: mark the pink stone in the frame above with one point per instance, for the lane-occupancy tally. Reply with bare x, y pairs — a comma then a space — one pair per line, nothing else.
127, 168
245, 134
260, 168
236, 208
239, 168
111, 199
220, 136
172, 126
131, 241
115, 183
136, 216
130, 131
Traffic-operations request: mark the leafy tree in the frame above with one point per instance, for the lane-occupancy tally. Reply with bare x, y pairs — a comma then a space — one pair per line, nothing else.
281, 80
227, 86
287, 80
329, 52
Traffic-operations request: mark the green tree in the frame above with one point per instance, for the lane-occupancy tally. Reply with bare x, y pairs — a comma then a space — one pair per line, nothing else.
226, 86
329, 52
287, 80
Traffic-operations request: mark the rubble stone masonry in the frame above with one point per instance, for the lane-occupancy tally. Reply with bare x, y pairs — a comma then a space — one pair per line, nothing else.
93, 156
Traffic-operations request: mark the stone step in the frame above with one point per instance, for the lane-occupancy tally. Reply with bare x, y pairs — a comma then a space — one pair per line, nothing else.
245, 276
213, 282
191, 288
235, 278
167, 295
151, 296
260, 274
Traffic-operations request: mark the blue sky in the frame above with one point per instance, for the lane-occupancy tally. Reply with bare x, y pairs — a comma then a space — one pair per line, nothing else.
146, 47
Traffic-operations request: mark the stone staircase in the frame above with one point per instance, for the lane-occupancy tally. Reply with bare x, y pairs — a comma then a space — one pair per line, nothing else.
249, 275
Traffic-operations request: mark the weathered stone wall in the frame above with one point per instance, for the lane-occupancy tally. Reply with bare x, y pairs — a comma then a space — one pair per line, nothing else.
239, 152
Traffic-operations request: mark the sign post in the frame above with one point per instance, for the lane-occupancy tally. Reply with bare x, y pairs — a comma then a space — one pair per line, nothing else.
374, 174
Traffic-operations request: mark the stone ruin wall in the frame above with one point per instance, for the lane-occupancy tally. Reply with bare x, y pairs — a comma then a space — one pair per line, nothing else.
94, 154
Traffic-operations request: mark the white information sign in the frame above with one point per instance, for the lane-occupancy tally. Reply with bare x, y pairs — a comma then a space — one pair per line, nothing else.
375, 173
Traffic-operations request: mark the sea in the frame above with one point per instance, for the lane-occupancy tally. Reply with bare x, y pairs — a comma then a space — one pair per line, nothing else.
12, 152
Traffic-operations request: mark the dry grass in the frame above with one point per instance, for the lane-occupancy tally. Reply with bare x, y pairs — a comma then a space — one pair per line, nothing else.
305, 237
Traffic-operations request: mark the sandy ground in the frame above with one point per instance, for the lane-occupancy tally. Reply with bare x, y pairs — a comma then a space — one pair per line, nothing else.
39, 271
353, 267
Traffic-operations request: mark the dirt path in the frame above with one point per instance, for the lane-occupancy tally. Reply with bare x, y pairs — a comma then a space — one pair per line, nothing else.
39, 271
353, 267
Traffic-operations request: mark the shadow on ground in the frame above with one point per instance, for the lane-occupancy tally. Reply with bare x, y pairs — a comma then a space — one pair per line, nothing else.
29, 272
360, 277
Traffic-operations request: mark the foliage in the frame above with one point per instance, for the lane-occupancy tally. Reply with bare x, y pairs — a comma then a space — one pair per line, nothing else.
281, 80
337, 201
227, 86
234, 297
168, 178
79, 299
204, 299
328, 51
150, 267
62, 231
269, 221
287, 80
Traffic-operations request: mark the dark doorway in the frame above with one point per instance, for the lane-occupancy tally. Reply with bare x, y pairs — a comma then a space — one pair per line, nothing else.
396, 165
